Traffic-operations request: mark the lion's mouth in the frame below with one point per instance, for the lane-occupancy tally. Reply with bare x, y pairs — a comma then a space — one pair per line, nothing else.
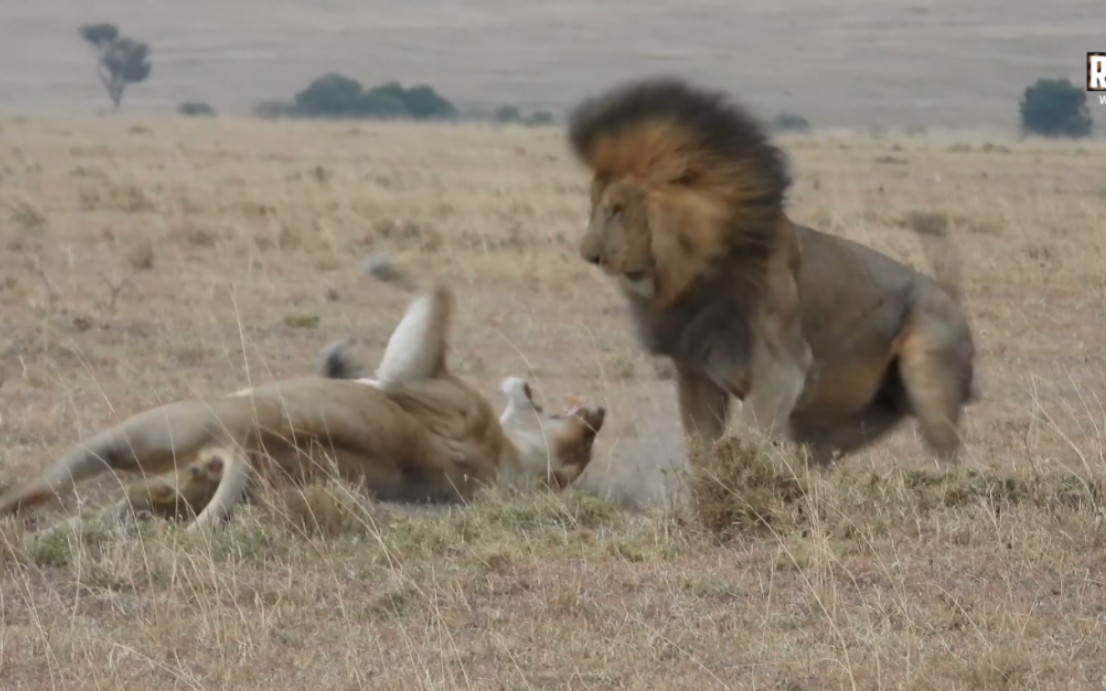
634, 276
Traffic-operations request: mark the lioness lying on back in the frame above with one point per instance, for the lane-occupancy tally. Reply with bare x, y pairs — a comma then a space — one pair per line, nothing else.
415, 433
184, 493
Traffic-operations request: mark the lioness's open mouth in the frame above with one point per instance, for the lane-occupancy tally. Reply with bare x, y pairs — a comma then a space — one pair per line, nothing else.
634, 276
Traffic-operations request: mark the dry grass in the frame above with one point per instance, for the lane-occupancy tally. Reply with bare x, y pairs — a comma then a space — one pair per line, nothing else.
191, 258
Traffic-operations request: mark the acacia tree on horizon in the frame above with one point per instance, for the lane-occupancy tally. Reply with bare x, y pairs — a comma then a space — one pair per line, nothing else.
120, 60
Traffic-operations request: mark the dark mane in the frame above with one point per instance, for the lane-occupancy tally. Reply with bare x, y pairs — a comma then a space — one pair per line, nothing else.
639, 127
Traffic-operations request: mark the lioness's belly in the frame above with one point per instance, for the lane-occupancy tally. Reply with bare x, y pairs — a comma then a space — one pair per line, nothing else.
391, 477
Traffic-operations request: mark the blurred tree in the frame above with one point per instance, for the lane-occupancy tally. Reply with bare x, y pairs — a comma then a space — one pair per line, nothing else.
790, 122
196, 109
1055, 108
120, 60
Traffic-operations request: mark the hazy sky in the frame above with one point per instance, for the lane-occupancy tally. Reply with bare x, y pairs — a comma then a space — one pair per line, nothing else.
860, 62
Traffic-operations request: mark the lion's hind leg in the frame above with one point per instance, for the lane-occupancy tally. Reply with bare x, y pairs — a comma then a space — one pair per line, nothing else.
935, 367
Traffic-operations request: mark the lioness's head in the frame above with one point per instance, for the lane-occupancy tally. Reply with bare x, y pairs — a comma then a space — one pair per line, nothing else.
555, 447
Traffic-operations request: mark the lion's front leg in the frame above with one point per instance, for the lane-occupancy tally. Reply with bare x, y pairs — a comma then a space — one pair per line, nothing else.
769, 387
769, 405
704, 407
778, 374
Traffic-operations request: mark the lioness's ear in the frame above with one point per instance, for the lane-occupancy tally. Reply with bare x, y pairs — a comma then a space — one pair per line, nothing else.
529, 393
214, 467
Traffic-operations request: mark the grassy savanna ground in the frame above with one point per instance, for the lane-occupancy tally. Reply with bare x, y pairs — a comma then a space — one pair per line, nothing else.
148, 260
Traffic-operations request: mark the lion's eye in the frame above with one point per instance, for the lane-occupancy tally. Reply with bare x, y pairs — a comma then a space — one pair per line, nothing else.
616, 213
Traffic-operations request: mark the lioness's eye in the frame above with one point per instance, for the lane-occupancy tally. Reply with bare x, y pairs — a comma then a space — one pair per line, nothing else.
616, 213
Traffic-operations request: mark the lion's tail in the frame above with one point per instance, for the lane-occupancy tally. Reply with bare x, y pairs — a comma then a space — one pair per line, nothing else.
944, 256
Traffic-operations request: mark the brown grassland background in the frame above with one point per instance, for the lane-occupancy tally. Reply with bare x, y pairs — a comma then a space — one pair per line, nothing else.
143, 260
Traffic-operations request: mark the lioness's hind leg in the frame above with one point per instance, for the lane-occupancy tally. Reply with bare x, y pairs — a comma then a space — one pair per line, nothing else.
417, 347
933, 371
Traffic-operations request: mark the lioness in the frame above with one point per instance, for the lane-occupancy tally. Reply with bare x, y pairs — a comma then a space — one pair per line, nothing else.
181, 494
822, 339
416, 432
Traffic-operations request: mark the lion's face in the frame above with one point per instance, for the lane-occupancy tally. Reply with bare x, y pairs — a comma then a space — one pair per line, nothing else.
617, 239
564, 440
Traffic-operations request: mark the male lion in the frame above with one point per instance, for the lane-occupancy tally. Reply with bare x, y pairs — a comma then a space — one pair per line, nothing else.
415, 433
822, 339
